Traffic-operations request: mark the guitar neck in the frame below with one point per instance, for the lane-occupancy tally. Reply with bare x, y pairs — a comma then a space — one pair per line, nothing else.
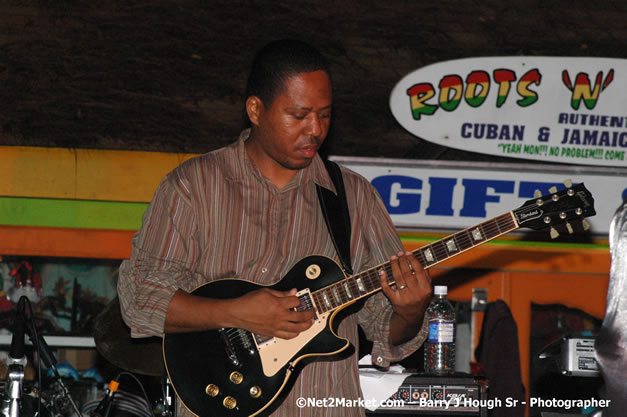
366, 283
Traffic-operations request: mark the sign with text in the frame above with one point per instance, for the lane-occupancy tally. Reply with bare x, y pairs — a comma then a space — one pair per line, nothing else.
449, 195
552, 109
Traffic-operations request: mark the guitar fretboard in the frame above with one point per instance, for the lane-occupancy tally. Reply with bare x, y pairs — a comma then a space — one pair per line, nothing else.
367, 282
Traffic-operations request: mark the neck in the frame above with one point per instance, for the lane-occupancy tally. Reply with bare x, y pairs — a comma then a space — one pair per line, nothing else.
365, 283
274, 172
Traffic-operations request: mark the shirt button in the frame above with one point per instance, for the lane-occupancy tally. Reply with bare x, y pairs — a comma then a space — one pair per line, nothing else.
264, 270
379, 359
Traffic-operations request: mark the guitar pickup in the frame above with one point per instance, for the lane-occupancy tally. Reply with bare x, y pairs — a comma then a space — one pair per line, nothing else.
306, 302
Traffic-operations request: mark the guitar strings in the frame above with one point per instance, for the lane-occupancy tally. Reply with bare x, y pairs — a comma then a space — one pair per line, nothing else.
327, 298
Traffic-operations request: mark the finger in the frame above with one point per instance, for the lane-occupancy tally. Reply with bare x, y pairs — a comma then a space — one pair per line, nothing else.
407, 270
414, 271
285, 299
278, 293
426, 279
286, 335
395, 262
423, 277
300, 316
385, 286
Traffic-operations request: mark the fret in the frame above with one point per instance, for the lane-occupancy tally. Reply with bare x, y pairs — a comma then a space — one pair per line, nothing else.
318, 301
373, 280
341, 290
339, 294
451, 246
360, 286
463, 240
439, 250
336, 295
489, 232
421, 257
484, 231
477, 236
352, 286
510, 224
498, 226
349, 294
326, 300
368, 281
428, 254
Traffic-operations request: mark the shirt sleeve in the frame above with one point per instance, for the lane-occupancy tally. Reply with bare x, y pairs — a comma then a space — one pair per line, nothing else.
374, 317
163, 255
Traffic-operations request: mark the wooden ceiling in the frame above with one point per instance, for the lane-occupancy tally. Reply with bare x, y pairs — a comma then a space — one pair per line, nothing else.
169, 75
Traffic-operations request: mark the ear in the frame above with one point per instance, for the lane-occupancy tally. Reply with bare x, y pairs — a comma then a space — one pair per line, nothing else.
254, 108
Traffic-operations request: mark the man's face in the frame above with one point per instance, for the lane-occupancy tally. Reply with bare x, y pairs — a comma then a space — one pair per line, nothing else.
292, 128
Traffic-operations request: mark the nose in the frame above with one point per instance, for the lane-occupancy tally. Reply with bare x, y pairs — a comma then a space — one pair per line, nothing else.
315, 125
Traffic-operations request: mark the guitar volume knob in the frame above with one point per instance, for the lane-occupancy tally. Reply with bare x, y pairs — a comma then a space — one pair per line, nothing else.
236, 377
212, 390
229, 402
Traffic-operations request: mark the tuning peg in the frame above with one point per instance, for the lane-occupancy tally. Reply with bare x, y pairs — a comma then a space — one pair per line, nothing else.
585, 224
537, 194
569, 228
554, 233
568, 183
553, 189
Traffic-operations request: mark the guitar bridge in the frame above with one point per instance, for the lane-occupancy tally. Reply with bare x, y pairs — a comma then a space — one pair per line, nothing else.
234, 339
228, 348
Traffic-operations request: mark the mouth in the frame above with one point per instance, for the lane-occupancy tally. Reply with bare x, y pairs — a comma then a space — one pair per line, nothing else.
310, 148
308, 151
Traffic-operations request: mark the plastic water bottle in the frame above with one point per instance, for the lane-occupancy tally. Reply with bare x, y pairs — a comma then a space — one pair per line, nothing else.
440, 345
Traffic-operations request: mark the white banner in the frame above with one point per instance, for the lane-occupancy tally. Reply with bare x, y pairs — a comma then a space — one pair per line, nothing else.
552, 109
447, 195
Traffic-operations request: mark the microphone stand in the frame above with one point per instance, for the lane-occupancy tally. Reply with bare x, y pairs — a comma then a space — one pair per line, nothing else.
46, 356
17, 360
16, 379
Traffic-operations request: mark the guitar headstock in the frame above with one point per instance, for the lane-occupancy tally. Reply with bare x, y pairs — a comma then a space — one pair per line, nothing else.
574, 203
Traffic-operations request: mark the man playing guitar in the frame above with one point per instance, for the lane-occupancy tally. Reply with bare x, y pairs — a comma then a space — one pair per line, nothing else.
250, 211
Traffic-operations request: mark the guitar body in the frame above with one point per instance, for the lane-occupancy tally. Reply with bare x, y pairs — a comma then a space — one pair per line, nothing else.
206, 367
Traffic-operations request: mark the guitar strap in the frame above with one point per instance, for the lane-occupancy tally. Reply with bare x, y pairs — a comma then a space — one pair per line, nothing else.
335, 211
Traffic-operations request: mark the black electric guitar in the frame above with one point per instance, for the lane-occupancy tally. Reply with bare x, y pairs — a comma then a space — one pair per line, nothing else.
234, 372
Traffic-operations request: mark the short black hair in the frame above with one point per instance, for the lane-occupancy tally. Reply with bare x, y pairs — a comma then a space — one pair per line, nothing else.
276, 62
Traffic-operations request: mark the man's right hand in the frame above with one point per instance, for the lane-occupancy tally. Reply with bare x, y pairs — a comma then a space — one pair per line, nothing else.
264, 311
271, 313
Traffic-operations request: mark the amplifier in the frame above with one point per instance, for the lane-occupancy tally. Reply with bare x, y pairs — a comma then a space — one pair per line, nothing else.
458, 394
577, 357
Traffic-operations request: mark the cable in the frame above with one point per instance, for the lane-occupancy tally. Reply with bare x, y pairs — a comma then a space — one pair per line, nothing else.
45, 355
141, 386
29, 318
135, 404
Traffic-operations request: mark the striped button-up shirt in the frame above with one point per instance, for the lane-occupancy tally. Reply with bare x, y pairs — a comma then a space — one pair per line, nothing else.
216, 216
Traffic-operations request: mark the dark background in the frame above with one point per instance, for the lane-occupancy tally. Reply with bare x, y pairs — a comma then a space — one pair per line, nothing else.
169, 75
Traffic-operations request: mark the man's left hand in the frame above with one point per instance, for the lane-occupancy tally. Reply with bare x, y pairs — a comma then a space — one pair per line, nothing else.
410, 295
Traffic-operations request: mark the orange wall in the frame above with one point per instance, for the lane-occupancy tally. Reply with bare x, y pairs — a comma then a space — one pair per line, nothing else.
576, 277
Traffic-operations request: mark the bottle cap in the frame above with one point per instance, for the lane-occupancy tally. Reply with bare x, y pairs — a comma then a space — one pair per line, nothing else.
440, 290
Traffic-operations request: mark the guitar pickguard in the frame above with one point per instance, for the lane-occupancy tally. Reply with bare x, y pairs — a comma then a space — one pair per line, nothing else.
276, 352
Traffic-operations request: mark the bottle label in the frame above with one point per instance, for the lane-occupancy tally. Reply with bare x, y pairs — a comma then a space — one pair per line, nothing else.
441, 332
